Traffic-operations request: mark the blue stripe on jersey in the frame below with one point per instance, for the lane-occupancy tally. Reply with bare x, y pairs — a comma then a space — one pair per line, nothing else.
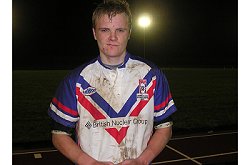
107, 108
162, 89
65, 93
99, 100
132, 99
171, 110
74, 116
60, 120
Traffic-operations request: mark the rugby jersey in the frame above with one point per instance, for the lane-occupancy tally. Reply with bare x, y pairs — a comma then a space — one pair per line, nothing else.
113, 110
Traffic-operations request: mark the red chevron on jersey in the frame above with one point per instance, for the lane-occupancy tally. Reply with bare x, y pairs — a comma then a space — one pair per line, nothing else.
142, 103
88, 106
118, 135
97, 115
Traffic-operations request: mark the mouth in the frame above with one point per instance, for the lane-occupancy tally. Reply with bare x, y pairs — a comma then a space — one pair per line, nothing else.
112, 45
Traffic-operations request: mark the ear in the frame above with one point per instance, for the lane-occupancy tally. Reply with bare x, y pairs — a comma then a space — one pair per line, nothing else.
94, 34
129, 33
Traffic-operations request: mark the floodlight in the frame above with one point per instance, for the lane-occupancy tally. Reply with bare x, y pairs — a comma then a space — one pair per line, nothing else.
144, 21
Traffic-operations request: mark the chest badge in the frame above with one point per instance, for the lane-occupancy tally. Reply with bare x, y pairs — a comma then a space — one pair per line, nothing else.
89, 91
142, 90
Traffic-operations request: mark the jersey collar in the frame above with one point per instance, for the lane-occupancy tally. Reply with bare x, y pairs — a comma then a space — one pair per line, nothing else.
121, 66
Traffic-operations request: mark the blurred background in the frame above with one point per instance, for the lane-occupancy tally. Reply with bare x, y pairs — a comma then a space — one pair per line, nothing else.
49, 34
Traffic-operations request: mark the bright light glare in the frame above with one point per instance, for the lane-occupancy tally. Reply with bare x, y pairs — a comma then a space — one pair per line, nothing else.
144, 21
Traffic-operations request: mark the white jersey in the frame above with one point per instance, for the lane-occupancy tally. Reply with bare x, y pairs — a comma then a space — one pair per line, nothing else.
113, 110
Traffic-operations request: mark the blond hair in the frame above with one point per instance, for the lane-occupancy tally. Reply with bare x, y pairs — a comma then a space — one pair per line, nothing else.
111, 8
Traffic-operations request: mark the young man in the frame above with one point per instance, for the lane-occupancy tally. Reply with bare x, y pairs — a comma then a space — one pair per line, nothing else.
113, 102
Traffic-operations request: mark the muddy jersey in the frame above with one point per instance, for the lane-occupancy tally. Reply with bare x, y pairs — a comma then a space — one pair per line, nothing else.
113, 110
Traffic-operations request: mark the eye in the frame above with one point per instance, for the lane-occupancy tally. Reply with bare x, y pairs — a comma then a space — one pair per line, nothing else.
104, 30
121, 30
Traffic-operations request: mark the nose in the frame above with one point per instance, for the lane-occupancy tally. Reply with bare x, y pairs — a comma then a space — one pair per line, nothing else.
113, 36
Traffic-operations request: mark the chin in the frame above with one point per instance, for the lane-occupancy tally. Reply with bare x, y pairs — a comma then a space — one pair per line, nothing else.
114, 54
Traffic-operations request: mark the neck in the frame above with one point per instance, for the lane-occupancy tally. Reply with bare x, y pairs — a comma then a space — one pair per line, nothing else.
112, 60
113, 67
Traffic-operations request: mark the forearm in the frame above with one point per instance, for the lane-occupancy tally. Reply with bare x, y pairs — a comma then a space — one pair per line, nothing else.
156, 144
66, 145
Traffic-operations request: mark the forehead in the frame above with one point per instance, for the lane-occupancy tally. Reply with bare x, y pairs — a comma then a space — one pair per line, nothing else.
119, 20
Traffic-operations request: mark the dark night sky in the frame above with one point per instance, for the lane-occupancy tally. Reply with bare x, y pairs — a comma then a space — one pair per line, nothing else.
50, 34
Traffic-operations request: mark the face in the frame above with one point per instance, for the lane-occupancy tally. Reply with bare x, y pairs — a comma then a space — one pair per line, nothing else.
112, 36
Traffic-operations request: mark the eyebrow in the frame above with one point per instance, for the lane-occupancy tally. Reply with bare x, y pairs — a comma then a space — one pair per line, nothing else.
115, 29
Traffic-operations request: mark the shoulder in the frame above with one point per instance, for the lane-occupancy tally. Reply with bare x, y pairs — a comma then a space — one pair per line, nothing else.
152, 68
75, 74
143, 60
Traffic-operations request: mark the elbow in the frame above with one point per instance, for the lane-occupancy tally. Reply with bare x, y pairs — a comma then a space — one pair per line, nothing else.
54, 140
57, 140
170, 132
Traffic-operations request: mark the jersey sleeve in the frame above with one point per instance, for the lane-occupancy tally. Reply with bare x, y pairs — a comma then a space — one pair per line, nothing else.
164, 105
63, 107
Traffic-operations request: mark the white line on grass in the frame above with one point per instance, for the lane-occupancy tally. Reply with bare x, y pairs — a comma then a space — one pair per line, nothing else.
199, 157
33, 152
215, 155
201, 136
189, 158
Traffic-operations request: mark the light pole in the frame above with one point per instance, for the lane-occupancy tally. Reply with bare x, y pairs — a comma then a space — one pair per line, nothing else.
144, 21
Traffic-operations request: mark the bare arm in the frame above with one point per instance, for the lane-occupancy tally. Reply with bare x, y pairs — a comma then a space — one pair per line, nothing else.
156, 144
66, 145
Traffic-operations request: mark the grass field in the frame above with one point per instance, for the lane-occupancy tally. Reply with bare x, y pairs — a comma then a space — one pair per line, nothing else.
205, 98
